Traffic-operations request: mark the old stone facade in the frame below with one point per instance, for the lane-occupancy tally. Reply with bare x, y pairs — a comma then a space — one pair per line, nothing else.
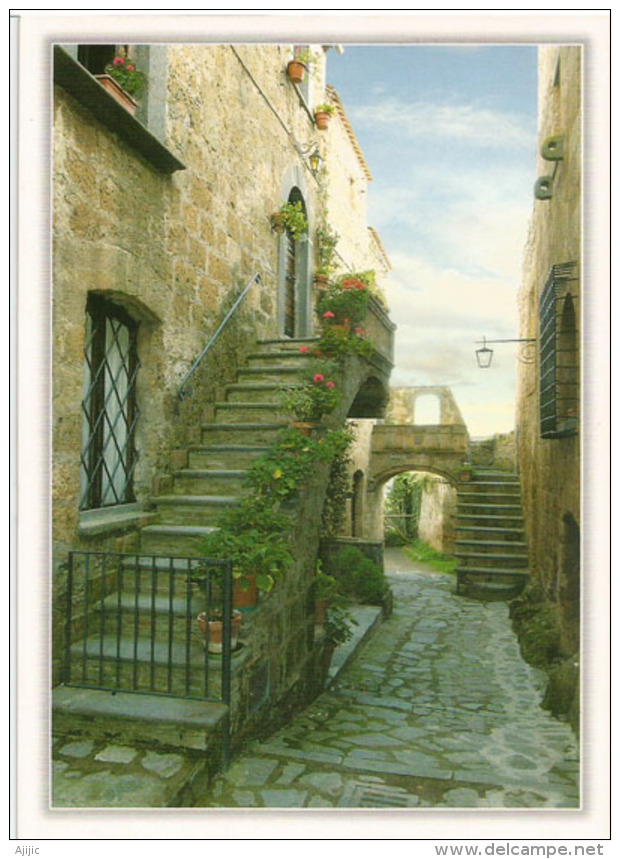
159, 222
548, 390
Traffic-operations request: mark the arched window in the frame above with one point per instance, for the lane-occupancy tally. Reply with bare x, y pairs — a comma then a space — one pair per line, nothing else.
427, 410
109, 407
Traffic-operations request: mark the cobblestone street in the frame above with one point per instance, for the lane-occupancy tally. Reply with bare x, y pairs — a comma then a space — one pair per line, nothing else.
437, 710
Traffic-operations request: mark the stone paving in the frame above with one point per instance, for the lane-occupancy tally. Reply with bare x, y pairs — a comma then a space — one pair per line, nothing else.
437, 710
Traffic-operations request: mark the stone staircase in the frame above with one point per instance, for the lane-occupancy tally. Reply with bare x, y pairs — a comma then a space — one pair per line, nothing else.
490, 542
208, 477
204, 480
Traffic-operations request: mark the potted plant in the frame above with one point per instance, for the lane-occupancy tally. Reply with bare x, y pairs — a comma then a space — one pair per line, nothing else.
325, 592
337, 630
213, 630
311, 400
124, 81
290, 216
303, 61
344, 303
465, 472
326, 241
322, 115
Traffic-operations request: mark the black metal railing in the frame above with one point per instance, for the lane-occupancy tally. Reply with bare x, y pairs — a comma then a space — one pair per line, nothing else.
185, 388
132, 625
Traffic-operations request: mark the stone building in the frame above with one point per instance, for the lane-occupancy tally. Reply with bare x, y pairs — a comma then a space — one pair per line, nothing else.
160, 220
548, 391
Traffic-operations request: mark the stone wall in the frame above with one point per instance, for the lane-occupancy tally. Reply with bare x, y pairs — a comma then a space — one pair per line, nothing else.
175, 250
550, 467
437, 510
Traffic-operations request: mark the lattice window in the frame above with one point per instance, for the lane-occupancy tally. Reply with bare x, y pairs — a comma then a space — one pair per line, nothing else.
559, 368
109, 409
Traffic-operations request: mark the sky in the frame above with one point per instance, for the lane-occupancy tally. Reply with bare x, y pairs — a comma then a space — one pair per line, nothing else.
449, 134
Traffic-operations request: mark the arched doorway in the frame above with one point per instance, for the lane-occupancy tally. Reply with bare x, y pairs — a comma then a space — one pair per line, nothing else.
293, 281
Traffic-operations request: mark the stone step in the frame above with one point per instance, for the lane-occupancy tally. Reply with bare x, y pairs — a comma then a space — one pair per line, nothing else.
254, 392
493, 572
242, 433
481, 510
193, 509
224, 456
192, 481
490, 585
473, 496
495, 561
278, 373
491, 544
491, 520
286, 344
287, 358
170, 539
241, 413
155, 720
490, 487
473, 532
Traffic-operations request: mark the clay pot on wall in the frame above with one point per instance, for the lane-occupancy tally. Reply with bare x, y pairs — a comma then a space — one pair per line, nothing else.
296, 71
122, 97
322, 120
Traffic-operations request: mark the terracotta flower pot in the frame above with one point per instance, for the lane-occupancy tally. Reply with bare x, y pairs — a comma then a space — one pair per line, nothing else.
321, 280
322, 120
320, 610
245, 597
278, 222
296, 71
304, 427
216, 631
122, 97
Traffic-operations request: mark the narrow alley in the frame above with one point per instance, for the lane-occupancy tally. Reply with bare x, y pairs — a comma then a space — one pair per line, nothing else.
437, 709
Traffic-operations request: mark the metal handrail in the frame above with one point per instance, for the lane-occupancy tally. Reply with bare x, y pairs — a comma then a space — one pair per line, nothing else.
186, 390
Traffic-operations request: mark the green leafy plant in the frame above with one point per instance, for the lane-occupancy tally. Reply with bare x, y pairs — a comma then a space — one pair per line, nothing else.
127, 75
337, 343
465, 471
338, 626
307, 58
326, 243
291, 216
324, 108
335, 506
359, 577
344, 302
313, 399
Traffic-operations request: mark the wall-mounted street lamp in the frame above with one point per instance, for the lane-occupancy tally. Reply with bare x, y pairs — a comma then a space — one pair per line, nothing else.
484, 355
311, 152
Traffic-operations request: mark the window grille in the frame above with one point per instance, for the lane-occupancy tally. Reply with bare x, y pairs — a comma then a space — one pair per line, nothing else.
109, 408
559, 370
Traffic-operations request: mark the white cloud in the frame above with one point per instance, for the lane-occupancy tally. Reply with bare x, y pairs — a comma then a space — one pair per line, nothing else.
466, 123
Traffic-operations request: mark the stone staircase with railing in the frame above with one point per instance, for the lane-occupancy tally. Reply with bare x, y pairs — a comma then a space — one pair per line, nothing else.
208, 476
204, 479
490, 543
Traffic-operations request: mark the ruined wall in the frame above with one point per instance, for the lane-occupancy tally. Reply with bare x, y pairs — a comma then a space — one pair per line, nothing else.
437, 510
403, 402
550, 467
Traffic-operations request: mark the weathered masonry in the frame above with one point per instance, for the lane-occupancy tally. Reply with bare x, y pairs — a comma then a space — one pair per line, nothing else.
161, 222
548, 392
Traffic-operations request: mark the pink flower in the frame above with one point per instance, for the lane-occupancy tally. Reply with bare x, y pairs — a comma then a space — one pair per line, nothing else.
359, 331
118, 61
328, 315
318, 378
131, 68
330, 385
346, 284
360, 285
304, 350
